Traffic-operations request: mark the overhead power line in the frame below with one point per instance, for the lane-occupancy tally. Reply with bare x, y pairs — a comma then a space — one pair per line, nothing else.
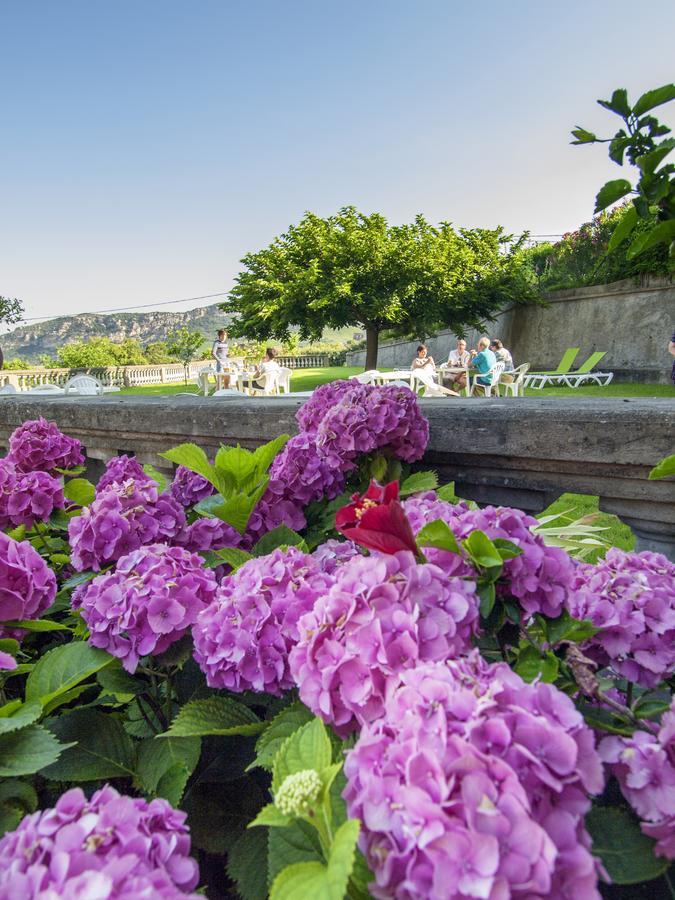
97, 312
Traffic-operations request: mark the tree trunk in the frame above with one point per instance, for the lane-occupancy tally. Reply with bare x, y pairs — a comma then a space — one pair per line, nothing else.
372, 338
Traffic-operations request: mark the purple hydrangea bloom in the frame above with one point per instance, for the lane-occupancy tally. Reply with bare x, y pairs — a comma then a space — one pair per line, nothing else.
207, 534
539, 579
120, 469
644, 764
27, 584
242, 640
39, 445
298, 477
148, 603
121, 519
631, 598
383, 614
323, 398
368, 418
27, 498
189, 487
111, 847
411, 779
333, 554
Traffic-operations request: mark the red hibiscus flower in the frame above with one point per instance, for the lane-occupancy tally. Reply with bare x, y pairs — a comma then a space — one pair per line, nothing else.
376, 520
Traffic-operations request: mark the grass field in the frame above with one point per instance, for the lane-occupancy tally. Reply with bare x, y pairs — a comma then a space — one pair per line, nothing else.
308, 379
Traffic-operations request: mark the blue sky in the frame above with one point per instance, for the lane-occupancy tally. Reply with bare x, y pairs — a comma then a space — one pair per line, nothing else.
148, 144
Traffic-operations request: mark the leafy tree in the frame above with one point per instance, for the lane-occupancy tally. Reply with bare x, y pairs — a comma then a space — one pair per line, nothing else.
355, 269
184, 345
98, 352
654, 192
157, 353
11, 311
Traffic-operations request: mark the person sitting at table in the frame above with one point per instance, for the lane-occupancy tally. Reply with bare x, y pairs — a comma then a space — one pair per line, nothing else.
483, 359
503, 355
268, 365
459, 358
423, 360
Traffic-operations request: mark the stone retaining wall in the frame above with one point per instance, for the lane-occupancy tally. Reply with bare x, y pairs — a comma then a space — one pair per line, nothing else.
632, 321
522, 452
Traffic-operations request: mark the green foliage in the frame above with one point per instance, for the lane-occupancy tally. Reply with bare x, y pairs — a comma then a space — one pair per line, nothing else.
27, 751
97, 352
184, 344
313, 879
597, 253
626, 853
654, 193
214, 715
61, 669
237, 474
663, 469
355, 269
99, 747
284, 724
164, 767
281, 536
79, 491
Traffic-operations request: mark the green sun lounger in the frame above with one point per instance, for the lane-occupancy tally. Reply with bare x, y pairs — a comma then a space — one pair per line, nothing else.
539, 379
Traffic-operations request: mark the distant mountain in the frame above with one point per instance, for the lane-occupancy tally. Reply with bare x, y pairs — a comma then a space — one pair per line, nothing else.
33, 341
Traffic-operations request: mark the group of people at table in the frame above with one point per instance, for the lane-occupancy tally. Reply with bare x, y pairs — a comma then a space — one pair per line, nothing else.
461, 362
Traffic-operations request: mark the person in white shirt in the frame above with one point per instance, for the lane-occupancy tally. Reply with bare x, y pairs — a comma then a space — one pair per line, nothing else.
423, 360
264, 368
459, 358
503, 355
220, 350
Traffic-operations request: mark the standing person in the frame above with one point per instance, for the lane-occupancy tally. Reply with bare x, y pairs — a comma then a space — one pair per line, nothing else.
220, 352
264, 368
459, 358
483, 359
671, 350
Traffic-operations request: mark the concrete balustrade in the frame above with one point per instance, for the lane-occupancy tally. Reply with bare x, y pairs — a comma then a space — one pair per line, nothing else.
523, 453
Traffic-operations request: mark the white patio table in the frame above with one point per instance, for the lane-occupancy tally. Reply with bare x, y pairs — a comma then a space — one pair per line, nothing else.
456, 370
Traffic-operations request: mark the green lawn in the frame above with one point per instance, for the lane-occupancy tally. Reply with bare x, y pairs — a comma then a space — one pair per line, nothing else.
308, 379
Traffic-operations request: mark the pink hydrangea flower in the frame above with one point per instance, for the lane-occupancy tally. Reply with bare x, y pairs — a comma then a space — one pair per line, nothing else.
333, 554
27, 584
111, 847
631, 598
188, 487
119, 469
644, 765
383, 614
121, 519
27, 498
39, 445
205, 534
411, 779
539, 579
148, 603
242, 640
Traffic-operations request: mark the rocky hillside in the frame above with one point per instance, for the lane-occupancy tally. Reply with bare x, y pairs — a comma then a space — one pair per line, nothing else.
31, 342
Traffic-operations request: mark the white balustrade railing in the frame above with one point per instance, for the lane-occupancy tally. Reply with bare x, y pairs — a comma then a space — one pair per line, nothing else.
133, 376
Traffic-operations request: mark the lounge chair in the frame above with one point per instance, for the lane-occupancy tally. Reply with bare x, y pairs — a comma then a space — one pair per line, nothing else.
285, 379
422, 379
369, 377
583, 374
539, 379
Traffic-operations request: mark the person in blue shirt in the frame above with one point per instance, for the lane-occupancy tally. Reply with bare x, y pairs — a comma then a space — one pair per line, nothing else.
483, 359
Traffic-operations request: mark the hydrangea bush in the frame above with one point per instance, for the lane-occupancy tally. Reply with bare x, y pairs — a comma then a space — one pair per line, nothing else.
305, 671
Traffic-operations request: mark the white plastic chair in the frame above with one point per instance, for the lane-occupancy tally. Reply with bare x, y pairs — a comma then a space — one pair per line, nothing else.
284, 380
49, 389
369, 377
516, 387
266, 384
424, 379
494, 374
84, 385
203, 379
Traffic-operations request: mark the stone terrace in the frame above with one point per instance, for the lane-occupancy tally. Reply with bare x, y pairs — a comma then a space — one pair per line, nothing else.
523, 452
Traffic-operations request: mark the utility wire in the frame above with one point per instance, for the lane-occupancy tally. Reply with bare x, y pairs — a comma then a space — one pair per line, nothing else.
97, 312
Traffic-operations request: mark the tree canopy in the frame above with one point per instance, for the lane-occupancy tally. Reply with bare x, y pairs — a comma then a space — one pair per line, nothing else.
11, 311
356, 269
